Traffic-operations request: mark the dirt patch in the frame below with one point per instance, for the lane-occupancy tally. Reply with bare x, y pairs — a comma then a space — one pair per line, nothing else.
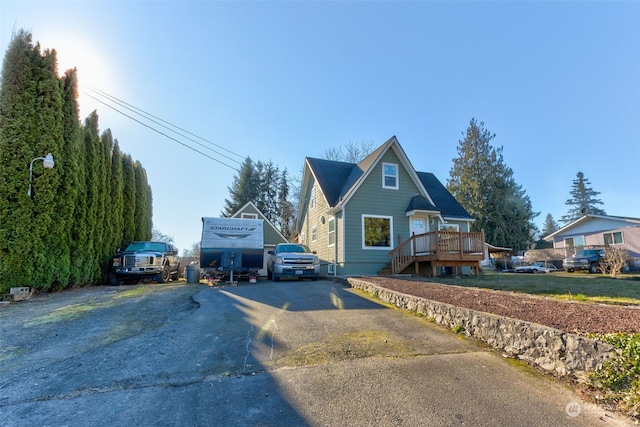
567, 316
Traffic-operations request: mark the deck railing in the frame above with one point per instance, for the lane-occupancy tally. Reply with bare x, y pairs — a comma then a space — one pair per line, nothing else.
437, 246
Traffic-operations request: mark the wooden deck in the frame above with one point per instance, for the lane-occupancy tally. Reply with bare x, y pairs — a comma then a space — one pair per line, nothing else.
439, 248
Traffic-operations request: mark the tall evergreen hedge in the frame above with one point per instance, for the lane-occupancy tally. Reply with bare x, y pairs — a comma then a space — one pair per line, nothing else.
80, 211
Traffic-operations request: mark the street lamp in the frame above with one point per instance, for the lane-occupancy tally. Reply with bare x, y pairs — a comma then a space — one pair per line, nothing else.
47, 162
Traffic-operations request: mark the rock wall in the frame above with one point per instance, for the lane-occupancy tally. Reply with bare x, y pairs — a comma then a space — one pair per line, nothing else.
551, 349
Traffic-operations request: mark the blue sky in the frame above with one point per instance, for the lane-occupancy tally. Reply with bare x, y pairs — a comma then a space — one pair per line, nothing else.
557, 82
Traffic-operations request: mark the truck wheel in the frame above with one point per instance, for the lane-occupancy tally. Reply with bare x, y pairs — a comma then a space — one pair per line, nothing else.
275, 278
570, 270
165, 275
593, 268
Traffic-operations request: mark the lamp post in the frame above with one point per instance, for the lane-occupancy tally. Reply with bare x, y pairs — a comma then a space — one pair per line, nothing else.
47, 162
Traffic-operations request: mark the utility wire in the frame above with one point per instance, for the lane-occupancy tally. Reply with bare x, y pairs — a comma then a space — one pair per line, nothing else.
148, 116
161, 133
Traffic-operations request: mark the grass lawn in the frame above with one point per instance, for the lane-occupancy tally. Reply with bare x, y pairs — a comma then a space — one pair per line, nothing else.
562, 285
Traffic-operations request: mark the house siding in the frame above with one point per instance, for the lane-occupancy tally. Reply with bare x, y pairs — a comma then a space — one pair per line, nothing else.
313, 218
371, 198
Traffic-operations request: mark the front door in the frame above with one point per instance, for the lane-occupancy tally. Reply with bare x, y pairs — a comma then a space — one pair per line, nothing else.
418, 226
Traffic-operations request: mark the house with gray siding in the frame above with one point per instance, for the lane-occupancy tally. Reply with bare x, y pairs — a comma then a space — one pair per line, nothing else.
352, 215
598, 231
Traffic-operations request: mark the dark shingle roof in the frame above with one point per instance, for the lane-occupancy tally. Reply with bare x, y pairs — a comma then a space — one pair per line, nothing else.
420, 203
444, 200
332, 177
337, 178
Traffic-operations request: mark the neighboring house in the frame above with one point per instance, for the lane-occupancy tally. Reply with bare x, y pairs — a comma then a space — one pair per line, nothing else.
354, 215
598, 231
272, 235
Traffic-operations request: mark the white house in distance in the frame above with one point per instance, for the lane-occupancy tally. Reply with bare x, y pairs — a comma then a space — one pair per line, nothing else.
599, 231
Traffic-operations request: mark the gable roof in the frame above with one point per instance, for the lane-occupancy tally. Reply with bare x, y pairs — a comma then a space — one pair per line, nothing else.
252, 208
340, 180
629, 221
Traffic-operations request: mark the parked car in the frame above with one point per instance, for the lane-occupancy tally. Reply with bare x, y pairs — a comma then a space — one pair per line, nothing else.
586, 259
536, 267
145, 260
292, 260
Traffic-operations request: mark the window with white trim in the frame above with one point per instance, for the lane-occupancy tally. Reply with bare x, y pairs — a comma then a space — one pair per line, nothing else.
390, 176
377, 231
449, 227
314, 233
614, 238
332, 231
312, 198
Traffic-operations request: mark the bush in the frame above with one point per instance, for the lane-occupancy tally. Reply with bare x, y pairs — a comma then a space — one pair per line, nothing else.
619, 378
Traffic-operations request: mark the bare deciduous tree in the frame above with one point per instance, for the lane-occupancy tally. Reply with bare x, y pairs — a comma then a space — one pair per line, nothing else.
615, 259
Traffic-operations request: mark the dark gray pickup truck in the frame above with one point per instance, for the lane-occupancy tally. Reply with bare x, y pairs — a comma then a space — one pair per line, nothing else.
586, 259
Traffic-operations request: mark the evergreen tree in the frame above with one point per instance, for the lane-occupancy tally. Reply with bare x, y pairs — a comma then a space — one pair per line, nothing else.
129, 202
268, 188
485, 187
117, 198
286, 220
71, 176
549, 227
48, 225
92, 165
583, 200
142, 208
30, 127
61, 233
243, 189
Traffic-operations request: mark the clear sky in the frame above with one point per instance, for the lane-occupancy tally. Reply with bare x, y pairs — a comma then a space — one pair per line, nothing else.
557, 82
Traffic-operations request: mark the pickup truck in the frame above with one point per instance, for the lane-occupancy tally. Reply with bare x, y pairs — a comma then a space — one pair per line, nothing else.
292, 260
158, 261
586, 259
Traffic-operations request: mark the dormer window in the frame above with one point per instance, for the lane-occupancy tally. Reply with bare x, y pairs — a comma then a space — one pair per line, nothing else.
390, 176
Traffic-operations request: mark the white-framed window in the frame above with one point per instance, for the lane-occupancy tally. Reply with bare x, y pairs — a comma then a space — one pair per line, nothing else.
449, 227
614, 238
312, 198
377, 232
249, 215
303, 238
314, 233
390, 176
332, 231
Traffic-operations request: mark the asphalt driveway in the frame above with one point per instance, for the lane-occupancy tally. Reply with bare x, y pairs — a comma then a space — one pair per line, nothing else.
266, 354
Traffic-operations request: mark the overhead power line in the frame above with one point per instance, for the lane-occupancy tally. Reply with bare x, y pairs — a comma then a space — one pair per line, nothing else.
107, 100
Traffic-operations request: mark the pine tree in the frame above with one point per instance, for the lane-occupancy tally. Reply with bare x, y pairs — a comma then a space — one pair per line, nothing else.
243, 189
583, 200
485, 187
549, 227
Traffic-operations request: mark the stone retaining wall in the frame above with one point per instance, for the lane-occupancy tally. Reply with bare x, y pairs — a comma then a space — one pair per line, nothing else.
551, 349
